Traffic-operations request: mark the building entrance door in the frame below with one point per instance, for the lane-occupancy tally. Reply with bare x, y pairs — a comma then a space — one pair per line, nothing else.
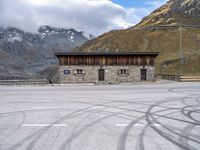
143, 75
101, 74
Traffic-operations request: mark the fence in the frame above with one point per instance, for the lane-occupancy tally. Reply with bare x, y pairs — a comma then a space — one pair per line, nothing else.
190, 78
169, 77
24, 82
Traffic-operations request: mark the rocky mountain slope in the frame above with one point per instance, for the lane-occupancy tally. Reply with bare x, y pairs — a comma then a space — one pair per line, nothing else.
160, 32
26, 55
174, 12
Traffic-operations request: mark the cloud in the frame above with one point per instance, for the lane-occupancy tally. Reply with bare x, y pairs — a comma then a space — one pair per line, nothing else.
155, 3
91, 16
135, 14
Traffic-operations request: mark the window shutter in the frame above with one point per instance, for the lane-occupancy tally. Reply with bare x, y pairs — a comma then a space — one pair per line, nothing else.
74, 72
128, 72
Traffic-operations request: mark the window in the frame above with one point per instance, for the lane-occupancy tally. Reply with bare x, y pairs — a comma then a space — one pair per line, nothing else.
79, 71
123, 72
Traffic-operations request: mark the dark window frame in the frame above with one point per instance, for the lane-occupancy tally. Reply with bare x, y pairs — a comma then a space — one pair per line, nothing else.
123, 72
79, 71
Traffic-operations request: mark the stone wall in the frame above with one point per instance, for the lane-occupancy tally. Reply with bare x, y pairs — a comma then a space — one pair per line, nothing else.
112, 76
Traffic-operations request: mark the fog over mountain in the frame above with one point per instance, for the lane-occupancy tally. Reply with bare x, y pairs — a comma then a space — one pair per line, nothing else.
90, 16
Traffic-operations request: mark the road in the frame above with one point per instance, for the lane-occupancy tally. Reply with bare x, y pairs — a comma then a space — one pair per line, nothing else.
112, 117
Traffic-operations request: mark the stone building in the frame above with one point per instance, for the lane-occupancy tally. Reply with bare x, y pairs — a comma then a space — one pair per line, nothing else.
108, 68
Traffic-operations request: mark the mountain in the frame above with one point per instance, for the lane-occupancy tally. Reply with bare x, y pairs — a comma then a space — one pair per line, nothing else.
26, 55
174, 12
59, 39
160, 32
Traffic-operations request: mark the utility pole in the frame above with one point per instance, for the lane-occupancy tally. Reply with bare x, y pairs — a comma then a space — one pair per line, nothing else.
181, 50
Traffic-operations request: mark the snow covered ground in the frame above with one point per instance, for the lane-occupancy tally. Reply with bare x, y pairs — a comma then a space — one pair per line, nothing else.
90, 117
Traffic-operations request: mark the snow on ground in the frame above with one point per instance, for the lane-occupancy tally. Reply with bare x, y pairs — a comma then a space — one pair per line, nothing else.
90, 117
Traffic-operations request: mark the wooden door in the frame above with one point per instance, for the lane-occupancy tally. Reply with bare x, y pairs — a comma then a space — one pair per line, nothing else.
143, 75
101, 74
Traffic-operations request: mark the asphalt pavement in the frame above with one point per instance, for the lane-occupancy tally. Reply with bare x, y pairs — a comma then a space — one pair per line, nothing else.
100, 117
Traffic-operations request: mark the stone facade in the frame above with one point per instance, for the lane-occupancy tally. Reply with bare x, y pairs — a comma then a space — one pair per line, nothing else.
112, 74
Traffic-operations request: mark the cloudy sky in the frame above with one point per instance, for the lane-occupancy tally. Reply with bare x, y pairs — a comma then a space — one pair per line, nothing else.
90, 16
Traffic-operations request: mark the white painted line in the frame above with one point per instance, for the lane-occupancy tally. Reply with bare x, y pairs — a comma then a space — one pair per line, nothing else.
156, 125
136, 125
97, 107
125, 125
43, 125
59, 125
139, 125
50, 107
121, 125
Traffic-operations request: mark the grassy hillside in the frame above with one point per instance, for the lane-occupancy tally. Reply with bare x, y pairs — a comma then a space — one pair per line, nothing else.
165, 41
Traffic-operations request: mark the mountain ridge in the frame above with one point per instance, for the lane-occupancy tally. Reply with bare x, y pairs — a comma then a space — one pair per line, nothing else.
172, 13
25, 55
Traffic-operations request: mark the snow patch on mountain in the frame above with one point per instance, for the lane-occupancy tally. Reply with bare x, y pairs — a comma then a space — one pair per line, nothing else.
13, 37
25, 55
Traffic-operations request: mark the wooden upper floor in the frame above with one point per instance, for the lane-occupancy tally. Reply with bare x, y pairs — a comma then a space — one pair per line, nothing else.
130, 58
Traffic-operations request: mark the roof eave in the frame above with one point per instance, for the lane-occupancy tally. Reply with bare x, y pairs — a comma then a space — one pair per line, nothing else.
107, 54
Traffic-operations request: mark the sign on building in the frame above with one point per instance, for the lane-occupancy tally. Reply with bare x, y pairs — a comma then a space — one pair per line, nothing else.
66, 72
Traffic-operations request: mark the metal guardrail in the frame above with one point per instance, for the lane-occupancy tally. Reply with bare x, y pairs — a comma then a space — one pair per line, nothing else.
169, 77
24, 82
179, 78
190, 78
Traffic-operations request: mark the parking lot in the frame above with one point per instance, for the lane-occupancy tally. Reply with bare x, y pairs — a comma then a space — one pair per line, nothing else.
103, 117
